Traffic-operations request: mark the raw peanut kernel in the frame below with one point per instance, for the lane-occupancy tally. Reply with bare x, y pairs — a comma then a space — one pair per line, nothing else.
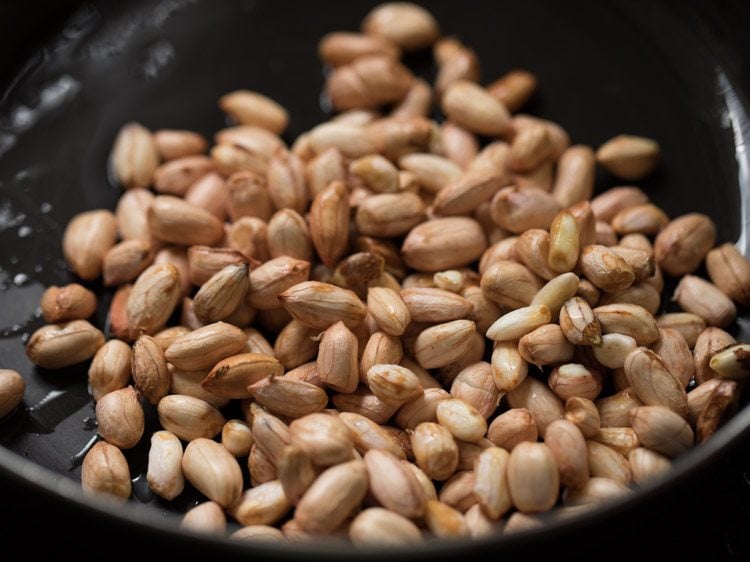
435, 450
377, 173
120, 418
393, 484
510, 284
474, 108
572, 379
533, 478
12, 387
444, 243
575, 176
189, 418
231, 377
388, 215
579, 324
475, 386
661, 430
173, 144
455, 62
568, 446
518, 323
336, 365
542, 404
642, 219
681, 246
629, 157
393, 384
368, 82
517, 209
134, 156
332, 497
563, 242
56, 346
252, 108
176, 177
432, 172
408, 25
709, 343
730, 271
341, 47
628, 319
651, 380
442, 344
467, 192
416, 103
207, 517
531, 146
706, 300
125, 261
606, 205
514, 88
319, 305
646, 464
164, 474
584, 414
389, 310
546, 345
509, 368
605, 268
86, 240
556, 292
732, 362
72, 302
380, 527
176, 221
435, 305
206, 346
461, 419
105, 471
213, 471
222, 293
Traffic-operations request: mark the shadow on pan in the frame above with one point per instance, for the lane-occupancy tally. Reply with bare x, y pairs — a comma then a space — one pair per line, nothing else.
74, 73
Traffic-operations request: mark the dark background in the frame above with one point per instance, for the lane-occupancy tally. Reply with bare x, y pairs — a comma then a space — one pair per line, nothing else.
707, 517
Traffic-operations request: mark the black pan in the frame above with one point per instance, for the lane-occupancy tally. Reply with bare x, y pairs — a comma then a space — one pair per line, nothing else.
73, 74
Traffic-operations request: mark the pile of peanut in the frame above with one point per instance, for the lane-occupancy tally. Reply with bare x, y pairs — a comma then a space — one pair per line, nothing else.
428, 338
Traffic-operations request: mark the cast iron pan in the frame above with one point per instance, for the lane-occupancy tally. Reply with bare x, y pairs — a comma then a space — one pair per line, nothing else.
674, 72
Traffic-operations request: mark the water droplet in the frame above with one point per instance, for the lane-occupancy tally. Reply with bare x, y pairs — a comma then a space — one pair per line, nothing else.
77, 459
20, 279
13, 260
45, 207
8, 219
25, 231
7, 141
325, 102
157, 57
52, 95
38, 268
141, 490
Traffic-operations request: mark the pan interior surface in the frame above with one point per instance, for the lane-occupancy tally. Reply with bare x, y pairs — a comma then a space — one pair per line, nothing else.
604, 68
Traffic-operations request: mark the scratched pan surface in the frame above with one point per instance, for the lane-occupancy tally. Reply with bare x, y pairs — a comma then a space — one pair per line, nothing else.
662, 71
